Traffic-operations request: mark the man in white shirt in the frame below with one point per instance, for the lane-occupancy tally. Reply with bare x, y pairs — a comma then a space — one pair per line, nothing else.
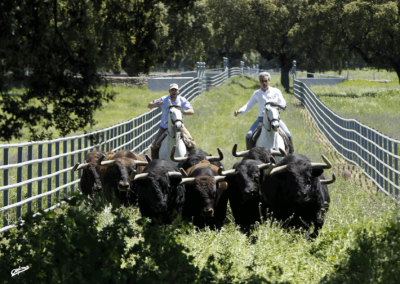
265, 94
163, 103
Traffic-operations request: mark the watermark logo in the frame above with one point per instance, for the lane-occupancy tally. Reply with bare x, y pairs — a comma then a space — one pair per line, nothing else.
17, 271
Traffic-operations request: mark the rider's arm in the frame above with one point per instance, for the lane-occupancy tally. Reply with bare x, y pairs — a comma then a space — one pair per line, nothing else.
248, 106
188, 109
281, 100
156, 103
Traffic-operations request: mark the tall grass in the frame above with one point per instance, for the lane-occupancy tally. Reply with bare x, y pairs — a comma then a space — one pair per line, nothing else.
372, 103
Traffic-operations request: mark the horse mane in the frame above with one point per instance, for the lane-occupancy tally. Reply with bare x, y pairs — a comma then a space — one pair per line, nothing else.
176, 106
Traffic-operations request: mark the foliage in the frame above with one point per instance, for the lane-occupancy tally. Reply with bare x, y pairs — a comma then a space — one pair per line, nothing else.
367, 28
71, 40
373, 259
67, 248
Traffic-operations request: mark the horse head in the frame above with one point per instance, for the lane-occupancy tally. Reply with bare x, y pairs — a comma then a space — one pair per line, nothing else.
175, 116
271, 116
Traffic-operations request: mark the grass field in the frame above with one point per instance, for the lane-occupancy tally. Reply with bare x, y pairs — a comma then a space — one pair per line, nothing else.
360, 74
374, 104
356, 244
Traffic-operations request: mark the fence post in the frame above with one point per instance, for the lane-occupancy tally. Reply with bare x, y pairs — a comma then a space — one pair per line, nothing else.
294, 69
242, 67
257, 69
200, 83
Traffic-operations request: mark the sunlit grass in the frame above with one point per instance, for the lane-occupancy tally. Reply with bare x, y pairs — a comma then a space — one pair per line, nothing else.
374, 104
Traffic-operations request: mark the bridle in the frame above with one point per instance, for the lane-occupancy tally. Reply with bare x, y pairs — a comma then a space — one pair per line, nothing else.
271, 120
176, 120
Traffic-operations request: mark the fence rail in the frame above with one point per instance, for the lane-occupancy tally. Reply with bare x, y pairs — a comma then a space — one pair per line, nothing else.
375, 153
32, 171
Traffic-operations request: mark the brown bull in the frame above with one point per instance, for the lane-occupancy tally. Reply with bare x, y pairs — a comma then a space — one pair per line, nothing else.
115, 173
205, 199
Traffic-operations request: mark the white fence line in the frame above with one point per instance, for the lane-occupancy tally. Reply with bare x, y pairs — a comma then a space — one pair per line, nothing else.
22, 186
376, 154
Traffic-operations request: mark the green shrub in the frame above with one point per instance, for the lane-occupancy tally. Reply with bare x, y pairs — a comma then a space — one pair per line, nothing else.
67, 248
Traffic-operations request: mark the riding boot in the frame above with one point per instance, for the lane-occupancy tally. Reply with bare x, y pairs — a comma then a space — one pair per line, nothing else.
291, 145
154, 152
249, 143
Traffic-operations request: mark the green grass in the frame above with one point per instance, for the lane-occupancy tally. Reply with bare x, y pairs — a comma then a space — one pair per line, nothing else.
129, 102
360, 74
270, 253
374, 104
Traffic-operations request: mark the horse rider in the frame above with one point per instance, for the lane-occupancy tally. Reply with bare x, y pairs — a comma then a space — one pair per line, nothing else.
162, 102
263, 95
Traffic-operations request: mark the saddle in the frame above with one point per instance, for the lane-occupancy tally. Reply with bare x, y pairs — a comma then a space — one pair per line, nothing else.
186, 138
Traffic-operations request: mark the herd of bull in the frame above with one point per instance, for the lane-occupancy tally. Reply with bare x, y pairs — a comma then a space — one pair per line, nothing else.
198, 188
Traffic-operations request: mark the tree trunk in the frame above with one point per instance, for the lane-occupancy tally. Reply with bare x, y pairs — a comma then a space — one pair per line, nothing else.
396, 66
285, 79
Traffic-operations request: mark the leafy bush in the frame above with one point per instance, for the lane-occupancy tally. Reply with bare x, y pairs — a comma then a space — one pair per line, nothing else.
373, 259
67, 248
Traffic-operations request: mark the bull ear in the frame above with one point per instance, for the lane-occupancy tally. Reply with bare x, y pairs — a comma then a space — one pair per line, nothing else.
239, 154
215, 158
148, 159
317, 172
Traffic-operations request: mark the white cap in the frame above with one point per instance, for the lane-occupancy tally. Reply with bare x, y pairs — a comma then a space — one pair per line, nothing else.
174, 86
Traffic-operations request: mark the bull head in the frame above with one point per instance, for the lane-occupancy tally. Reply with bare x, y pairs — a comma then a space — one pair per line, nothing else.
322, 166
221, 172
209, 158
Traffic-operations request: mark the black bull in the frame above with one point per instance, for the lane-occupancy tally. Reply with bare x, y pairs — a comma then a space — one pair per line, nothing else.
159, 192
296, 192
206, 198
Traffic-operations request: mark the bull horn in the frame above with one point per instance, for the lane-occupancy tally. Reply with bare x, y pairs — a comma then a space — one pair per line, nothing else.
329, 181
183, 172
215, 158
187, 181
263, 166
277, 170
221, 172
79, 166
219, 178
101, 160
132, 176
105, 163
174, 174
280, 153
327, 164
140, 176
239, 154
148, 159
140, 163
176, 159
271, 167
